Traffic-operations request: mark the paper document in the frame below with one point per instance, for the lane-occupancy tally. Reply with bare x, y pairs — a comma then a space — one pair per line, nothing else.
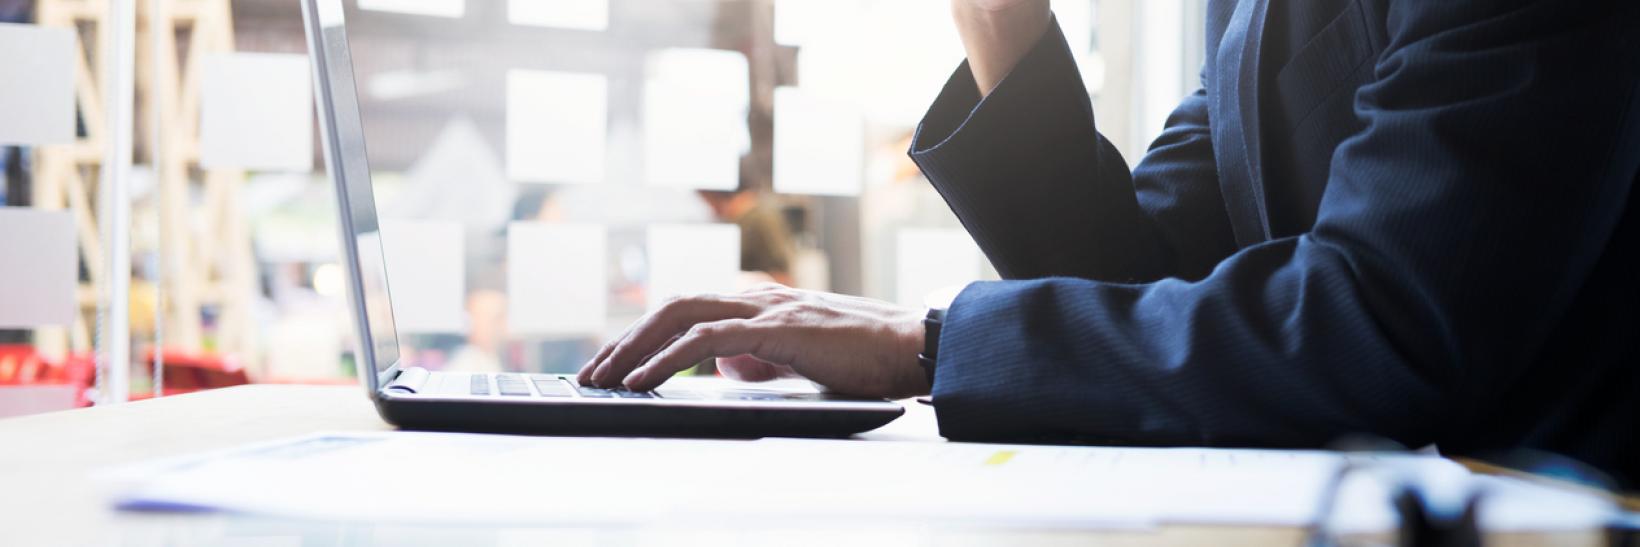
37, 102
436, 477
499, 479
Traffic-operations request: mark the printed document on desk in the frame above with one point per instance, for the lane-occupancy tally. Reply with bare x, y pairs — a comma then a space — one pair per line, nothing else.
448, 477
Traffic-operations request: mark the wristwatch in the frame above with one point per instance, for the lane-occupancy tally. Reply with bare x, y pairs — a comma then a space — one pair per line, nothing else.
928, 359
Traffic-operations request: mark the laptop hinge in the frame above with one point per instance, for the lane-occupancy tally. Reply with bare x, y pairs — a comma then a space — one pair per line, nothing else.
408, 381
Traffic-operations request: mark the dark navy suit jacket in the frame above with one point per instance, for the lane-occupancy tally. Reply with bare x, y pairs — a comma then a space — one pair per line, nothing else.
1409, 218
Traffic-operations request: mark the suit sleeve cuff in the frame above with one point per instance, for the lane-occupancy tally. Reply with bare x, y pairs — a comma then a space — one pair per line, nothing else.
973, 399
959, 110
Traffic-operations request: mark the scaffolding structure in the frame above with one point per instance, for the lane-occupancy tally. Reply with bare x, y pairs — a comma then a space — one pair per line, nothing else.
203, 244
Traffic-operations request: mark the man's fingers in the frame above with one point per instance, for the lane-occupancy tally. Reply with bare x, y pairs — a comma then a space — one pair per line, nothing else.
747, 368
585, 376
704, 341
654, 331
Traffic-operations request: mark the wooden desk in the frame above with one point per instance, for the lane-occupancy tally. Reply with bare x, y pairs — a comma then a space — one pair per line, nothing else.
48, 495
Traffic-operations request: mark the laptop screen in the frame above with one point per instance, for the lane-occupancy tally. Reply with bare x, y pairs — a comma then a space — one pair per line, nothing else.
342, 132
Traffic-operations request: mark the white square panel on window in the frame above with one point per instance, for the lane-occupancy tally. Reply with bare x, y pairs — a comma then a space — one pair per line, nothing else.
557, 279
695, 104
932, 260
819, 145
568, 14
426, 275
434, 8
686, 259
557, 124
37, 99
887, 59
796, 21
1075, 19
41, 268
256, 112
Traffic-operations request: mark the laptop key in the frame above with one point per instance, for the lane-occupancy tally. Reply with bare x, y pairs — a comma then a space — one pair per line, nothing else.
595, 392
481, 384
549, 386
510, 384
624, 394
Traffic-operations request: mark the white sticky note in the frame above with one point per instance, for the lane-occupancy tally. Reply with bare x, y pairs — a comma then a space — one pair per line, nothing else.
433, 8
1075, 19
694, 108
687, 259
557, 278
256, 112
40, 270
570, 14
557, 124
932, 259
426, 275
886, 59
819, 145
306, 345
795, 21
37, 99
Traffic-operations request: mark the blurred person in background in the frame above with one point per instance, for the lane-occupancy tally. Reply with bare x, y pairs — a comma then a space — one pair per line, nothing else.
768, 246
766, 243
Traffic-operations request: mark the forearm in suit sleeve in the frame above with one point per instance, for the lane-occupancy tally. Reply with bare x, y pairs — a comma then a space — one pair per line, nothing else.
1497, 159
1026, 172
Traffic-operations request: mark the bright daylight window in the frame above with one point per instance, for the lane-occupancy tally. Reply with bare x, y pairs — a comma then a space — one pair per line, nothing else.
546, 171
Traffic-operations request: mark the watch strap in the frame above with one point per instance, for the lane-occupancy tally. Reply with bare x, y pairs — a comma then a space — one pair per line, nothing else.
928, 359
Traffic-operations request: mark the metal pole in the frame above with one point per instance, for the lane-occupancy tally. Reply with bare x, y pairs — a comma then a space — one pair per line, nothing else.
157, 23
119, 56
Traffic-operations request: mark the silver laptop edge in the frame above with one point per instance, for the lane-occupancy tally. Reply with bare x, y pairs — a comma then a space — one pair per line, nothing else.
327, 44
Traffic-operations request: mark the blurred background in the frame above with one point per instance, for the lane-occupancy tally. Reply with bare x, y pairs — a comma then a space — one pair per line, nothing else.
546, 170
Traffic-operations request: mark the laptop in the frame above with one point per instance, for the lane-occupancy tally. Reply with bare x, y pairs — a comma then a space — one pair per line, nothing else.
415, 398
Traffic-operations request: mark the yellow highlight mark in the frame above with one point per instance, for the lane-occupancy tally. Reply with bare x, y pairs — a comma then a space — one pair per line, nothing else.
1000, 457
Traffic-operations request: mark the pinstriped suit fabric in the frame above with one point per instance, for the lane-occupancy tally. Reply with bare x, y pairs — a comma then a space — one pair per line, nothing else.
1406, 218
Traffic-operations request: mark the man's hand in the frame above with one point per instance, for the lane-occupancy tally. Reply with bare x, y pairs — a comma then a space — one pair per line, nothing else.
997, 33
850, 345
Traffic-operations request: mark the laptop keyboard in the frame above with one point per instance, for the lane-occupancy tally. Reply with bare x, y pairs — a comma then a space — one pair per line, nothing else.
553, 386
547, 386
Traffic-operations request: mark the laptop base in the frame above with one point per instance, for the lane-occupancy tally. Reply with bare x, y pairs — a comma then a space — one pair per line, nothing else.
600, 419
